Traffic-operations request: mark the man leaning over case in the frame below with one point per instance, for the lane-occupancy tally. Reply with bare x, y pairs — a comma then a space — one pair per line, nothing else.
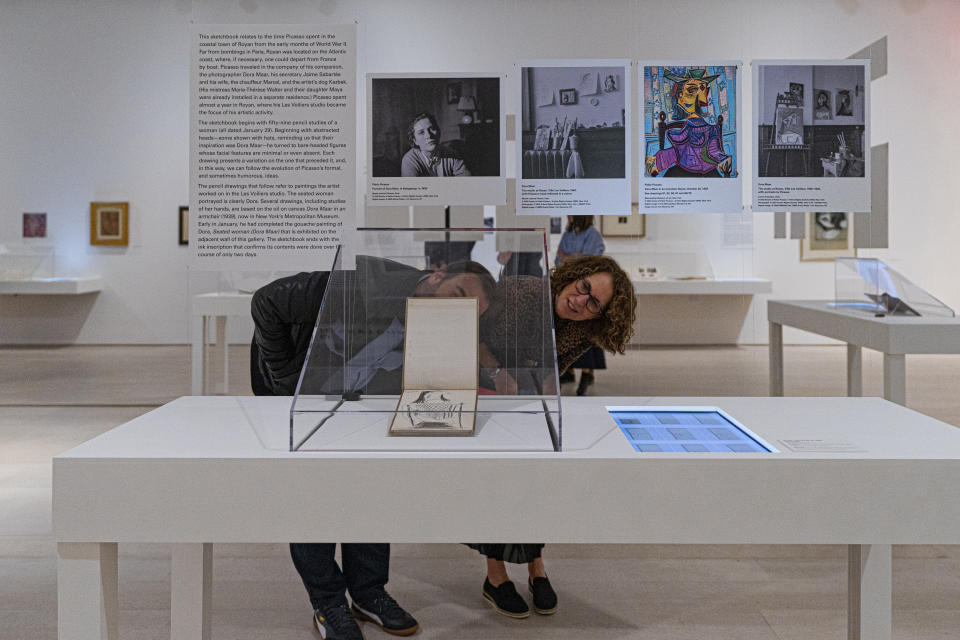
284, 314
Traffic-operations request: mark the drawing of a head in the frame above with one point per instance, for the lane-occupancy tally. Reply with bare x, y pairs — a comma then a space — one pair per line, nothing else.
431, 396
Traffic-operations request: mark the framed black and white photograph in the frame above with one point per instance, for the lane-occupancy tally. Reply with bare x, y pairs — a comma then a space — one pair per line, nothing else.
821, 136
573, 126
804, 140
429, 126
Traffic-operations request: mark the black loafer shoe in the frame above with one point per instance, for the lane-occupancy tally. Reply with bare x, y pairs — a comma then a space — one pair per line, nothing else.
336, 623
544, 597
382, 610
505, 599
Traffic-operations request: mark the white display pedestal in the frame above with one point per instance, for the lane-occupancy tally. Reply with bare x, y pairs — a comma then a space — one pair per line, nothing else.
894, 336
204, 470
67, 285
674, 312
206, 306
707, 287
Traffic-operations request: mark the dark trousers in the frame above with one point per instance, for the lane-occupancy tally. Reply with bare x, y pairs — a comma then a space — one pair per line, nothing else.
365, 570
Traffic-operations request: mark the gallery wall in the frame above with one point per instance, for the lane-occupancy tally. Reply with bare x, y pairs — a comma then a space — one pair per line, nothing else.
96, 102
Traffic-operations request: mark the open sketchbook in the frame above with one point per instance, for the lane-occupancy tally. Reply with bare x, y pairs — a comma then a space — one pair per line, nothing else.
440, 366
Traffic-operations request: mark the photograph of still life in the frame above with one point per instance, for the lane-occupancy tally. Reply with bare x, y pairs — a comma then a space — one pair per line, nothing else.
573, 122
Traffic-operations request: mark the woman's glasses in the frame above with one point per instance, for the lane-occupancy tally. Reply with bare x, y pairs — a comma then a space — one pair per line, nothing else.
593, 305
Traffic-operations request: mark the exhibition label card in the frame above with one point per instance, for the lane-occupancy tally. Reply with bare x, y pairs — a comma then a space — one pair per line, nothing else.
822, 446
689, 156
811, 148
272, 144
573, 136
427, 126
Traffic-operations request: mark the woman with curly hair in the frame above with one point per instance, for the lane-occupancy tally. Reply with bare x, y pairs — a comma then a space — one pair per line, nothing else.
593, 305
581, 238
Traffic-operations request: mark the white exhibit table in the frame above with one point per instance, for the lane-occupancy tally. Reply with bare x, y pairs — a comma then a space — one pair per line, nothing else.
65, 285
707, 286
205, 306
202, 470
894, 336
673, 310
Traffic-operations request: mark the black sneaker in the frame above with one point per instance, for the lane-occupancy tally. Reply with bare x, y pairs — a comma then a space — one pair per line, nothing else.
544, 597
567, 377
505, 599
384, 611
586, 380
336, 623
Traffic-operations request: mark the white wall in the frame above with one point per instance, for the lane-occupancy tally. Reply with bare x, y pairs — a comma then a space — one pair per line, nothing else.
95, 99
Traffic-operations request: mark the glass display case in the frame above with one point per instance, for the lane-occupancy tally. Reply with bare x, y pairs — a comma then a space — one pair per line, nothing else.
19, 262
872, 286
670, 261
370, 349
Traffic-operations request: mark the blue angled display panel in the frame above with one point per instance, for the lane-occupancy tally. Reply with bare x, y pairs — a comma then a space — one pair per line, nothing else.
683, 430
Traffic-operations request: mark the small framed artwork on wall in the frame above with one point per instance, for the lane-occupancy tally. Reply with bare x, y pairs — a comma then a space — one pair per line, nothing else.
110, 223
34, 225
184, 227
568, 96
829, 235
634, 225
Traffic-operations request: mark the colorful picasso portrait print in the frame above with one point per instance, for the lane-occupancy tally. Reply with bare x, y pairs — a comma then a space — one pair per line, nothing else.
690, 122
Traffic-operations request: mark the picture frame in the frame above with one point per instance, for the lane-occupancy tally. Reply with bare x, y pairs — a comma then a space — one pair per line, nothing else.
568, 96
788, 123
110, 223
34, 225
634, 225
843, 102
454, 91
183, 234
826, 236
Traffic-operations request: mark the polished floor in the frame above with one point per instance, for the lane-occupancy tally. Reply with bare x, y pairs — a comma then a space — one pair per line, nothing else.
54, 398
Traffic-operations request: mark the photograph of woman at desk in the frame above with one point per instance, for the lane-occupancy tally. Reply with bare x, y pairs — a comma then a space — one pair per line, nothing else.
434, 127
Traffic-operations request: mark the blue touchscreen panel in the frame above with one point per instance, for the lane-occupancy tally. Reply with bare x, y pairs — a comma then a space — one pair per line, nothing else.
684, 431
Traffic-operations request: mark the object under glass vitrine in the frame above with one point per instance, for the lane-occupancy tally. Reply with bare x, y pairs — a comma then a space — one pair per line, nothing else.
18, 262
393, 354
872, 286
